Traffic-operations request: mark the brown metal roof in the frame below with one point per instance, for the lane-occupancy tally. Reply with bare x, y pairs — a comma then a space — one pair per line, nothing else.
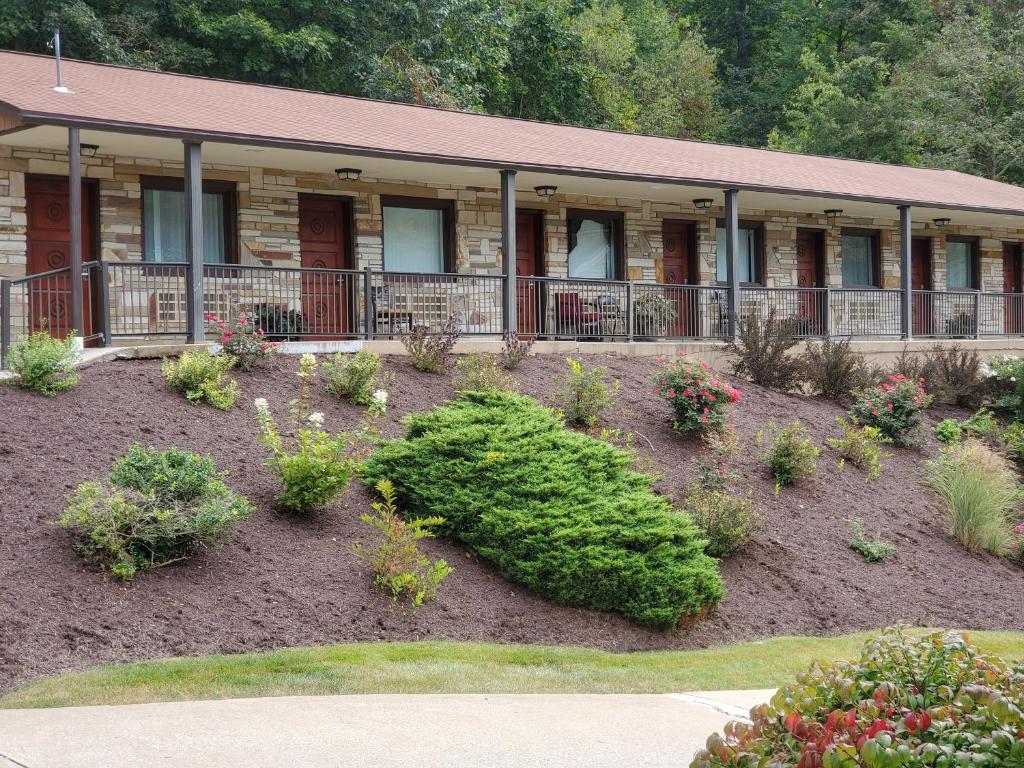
144, 101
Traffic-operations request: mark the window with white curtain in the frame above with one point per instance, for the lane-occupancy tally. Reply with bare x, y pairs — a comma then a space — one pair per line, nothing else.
593, 247
960, 266
413, 239
858, 257
747, 255
164, 226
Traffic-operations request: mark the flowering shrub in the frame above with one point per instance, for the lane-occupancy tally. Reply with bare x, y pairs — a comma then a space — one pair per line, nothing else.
792, 454
313, 465
698, 397
1005, 377
356, 377
908, 702
1015, 551
202, 376
895, 408
242, 340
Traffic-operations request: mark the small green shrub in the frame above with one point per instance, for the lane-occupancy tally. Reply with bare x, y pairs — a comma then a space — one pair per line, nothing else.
356, 377
202, 376
156, 508
980, 493
399, 568
873, 550
835, 370
712, 464
479, 373
1013, 438
243, 340
895, 408
514, 349
948, 431
910, 701
860, 446
430, 351
728, 521
699, 399
791, 454
1004, 377
583, 394
555, 510
983, 426
761, 350
43, 363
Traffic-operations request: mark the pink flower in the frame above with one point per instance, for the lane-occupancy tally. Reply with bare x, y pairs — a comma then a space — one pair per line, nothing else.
671, 393
225, 339
874, 411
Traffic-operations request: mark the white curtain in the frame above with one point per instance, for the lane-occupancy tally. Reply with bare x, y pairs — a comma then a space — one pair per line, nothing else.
746, 252
858, 260
413, 239
165, 226
958, 266
594, 253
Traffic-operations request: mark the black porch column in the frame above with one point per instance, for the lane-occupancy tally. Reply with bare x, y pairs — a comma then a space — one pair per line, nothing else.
75, 218
508, 246
732, 239
906, 270
194, 238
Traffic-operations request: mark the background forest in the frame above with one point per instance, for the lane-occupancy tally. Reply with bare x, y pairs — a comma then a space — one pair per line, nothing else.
924, 82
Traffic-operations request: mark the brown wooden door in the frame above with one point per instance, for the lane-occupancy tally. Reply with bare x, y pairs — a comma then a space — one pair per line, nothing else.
921, 280
329, 301
529, 296
810, 273
677, 243
48, 248
1013, 310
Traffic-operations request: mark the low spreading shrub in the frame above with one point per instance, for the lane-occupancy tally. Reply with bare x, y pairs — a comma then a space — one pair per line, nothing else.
583, 393
514, 349
1004, 377
312, 465
243, 340
430, 351
860, 446
983, 426
699, 399
156, 508
895, 408
873, 550
791, 453
909, 702
479, 373
948, 431
202, 376
954, 375
356, 377
834, 369
553, 509
43, 363
761, 352
399, 567
979, 490
727, 521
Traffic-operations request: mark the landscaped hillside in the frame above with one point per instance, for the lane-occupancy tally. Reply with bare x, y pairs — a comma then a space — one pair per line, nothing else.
286, 581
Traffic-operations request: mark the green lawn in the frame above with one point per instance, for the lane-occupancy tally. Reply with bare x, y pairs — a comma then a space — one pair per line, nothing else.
454, 668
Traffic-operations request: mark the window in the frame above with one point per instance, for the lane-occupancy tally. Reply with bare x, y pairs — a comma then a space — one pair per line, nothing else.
594, 244
163, 221
417, 234
961, 273
748, 251
859, 252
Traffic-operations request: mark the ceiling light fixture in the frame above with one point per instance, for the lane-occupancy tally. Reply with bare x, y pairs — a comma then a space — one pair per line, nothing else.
88, 150
703, 203
832, 213
941, 222
546, 190
348, 174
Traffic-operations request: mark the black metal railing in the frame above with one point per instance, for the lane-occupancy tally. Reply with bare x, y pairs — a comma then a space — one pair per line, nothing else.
400, 300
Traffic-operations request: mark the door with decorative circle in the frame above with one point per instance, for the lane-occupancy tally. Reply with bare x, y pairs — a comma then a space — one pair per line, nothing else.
678, 268
329, 299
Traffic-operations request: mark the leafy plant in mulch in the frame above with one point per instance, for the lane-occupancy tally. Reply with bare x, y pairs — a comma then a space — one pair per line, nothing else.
156, 508
896, 408
478, 372
202, 376
553, 509
1004, 377
357, 377
430, 351
873, 550
761, 351
700, 400
583, 394
833, 369
43, 363
243, 339
861, 446
909, 701
791, 454
514, 349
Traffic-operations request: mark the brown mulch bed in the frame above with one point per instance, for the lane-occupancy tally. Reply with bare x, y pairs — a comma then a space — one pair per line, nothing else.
287, 582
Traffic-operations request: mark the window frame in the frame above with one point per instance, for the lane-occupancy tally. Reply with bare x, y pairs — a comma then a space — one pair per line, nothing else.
875, 238
227, 189
447, 208
974, 263
759, 257
617, 219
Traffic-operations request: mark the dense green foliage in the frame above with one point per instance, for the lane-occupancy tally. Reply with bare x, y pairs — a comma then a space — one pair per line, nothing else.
555, 510
908, 81
202, 376
44, 363
791, 453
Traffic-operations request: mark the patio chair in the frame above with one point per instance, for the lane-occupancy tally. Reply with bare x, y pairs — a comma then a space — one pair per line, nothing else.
573, 319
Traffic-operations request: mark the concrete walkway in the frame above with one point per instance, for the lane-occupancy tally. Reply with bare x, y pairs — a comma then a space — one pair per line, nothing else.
429, 731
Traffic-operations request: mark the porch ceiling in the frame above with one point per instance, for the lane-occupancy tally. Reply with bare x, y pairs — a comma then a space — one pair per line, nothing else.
135, 145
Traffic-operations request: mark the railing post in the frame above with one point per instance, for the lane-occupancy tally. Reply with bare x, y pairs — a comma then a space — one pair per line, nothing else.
5, 320
732, 238
630, 315
508, 247
977, 314
906, 271
826, 323
105, 302
369, 325
75, 233
194, 238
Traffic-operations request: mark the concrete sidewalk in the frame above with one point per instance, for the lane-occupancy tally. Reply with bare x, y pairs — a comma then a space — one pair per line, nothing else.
426, 731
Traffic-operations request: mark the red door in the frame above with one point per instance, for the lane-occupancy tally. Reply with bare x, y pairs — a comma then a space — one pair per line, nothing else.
810, 271
528, 257
921, 280
328, 299
48, 248
1013, 311
677, 269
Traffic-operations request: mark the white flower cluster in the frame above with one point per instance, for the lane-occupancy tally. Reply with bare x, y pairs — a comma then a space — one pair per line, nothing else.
380, 397
316, 419
262, 406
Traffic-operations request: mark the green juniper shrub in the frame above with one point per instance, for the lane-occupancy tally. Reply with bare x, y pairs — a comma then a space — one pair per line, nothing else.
479, 373
243, 339
860, 446
399, 567
430, 351
583, 393
911, 701
895, 408
356, 377
700, 400
727, 521
761, 352
791, 454
954, 375
202, 376
835, 370
980, 493
555, 510
873, 550
43, 363
1004, 377
157, 507
514, 349
948, 431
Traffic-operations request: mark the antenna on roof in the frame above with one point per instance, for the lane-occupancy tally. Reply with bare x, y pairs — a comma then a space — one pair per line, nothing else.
55, 45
